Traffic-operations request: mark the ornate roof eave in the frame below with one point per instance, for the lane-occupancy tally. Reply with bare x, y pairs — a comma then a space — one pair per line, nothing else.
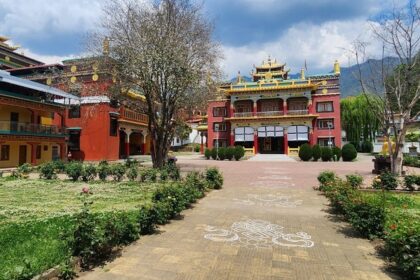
272, 66
279, 87
267, 118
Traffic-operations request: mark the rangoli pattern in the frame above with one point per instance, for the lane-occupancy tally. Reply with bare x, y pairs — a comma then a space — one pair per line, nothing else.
258, 234
269, 200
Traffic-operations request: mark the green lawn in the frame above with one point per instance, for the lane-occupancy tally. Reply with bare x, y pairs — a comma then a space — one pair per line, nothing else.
34, 215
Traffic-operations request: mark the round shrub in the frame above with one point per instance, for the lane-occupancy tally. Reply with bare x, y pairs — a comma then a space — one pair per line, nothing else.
367, 147
239, 152
349, 152
222, 153
132, 173
24, 170
230, 153
117, 171
74, 170
387, 181
59, 165
316, 152
47, 171
89, 172
103, 170
326, 177
214, 153
207, 153
354, 180
326, 153
214, 178
305, 152
336, 153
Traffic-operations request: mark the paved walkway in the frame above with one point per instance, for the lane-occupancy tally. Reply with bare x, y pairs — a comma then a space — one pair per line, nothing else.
271, 157
266, 223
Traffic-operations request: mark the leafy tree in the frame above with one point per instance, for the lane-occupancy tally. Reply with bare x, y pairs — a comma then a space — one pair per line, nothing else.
166, 50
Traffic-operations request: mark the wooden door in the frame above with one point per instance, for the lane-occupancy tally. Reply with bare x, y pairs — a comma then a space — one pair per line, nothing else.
22, 154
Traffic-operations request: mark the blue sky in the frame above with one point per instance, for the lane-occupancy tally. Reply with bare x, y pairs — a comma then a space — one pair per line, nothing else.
292, 31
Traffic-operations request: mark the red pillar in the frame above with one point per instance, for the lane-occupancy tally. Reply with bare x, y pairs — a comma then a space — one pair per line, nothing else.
254, 108
232, 110
285, 107
33, 153
310, 106
286, 143
255, 143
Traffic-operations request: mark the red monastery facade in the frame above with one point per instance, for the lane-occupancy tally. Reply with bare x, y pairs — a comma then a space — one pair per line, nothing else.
276, 114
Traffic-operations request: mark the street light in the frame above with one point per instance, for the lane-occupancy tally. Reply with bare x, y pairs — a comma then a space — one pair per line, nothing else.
216, 127
330, 126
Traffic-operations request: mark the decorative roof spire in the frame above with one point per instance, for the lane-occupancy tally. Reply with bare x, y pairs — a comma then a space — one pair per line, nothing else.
302, 74
105, 46
336, 67
239, 80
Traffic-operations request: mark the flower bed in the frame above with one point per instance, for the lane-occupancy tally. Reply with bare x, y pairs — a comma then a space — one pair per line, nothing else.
45, 222
393, 217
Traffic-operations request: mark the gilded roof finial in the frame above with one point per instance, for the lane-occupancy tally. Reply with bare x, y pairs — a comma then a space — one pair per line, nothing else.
239, 77
105, 47
302, 74
336, 67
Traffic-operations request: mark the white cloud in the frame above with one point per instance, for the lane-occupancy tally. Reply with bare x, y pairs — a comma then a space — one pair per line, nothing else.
36, 18
48, 59
319, 45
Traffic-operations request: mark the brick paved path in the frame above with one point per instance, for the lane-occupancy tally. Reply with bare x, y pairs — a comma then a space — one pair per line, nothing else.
250, 230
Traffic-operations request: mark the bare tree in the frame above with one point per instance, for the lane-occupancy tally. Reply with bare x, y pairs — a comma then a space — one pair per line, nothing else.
165, 50
398, 87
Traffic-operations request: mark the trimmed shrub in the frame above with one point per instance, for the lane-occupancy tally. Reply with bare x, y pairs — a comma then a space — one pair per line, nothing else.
316, 152
148, 175
59, 166
305, 152
89, 172
195, 182
230, 153
117, 171
367, 147
386, 180
326, 177
132, 173
410, 181
336, 153
402, 244
47, 171
356, 145
239, 152
222, 153
354, 180
349, 152
214, 178
103, 170
214, 153
326, 153
207, 153
367, 217
74, 170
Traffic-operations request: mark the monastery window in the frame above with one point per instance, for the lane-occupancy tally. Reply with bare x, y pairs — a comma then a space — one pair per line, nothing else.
74, 141
219, 127
270, 131
269, 106
113, 126
219, 112
243, 108
74, 112
219, 143
323, 142
5, 152
297, 133
325, 123
297, 105
324, 107
244, 134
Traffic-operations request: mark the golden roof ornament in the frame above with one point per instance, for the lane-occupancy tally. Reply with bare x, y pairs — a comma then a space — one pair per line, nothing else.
336, 67
302, 74
105, 47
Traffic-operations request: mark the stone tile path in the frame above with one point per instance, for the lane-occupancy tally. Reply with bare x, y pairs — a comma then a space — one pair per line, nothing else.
266, 223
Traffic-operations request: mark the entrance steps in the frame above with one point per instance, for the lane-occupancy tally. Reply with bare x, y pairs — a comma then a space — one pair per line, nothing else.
272, 157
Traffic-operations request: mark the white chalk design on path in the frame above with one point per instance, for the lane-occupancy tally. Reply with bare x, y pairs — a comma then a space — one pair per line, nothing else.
258, 234
272, 184
269, 200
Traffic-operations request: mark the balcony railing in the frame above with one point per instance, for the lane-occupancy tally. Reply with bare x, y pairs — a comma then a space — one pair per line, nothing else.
297, 112
134, 116
20, 128
270, 113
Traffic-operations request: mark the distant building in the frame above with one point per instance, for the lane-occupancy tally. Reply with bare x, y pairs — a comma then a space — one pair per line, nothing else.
99, 126
32, 122
276, 114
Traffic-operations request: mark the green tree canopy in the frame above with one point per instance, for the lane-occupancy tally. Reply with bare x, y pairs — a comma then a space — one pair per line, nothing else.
358, 118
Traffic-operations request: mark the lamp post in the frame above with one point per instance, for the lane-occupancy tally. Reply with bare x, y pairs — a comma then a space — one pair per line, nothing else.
216, 127
330, 125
